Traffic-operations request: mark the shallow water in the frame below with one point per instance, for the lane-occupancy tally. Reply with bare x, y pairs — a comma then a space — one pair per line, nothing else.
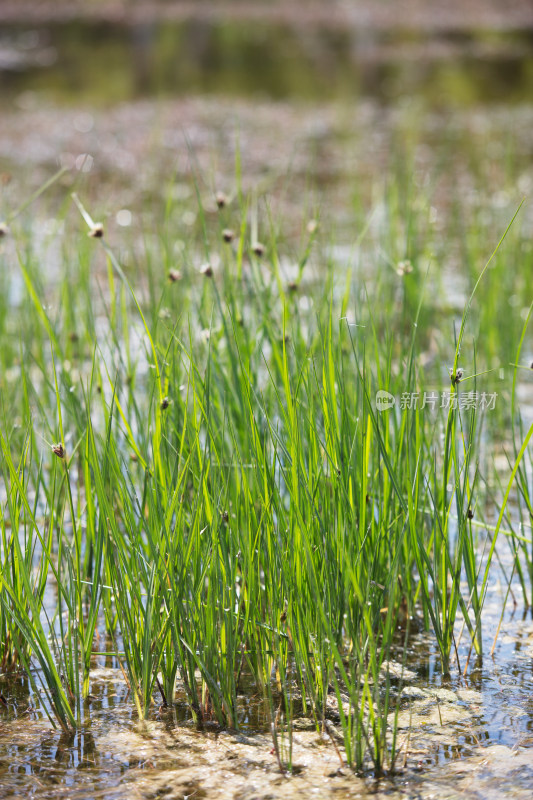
464, 736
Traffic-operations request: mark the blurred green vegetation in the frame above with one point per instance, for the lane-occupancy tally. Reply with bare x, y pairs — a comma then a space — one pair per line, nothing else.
103, 63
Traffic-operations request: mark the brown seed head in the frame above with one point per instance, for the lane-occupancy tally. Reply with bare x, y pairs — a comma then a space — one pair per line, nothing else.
228, 235
97, 231
174, 275
4, 230
207, 270
404, 267
455, 379
258, 249
221, 199
165, 402
59, 450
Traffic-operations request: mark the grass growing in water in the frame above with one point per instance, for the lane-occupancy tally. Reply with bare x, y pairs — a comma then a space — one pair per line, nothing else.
193, 458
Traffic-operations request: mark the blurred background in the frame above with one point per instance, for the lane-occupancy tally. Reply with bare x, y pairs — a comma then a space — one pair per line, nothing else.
331, 93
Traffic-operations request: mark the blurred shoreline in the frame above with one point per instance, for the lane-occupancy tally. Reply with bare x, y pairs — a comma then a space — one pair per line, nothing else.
416, 15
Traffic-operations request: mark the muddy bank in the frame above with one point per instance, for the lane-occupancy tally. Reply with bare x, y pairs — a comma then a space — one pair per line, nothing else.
446, 749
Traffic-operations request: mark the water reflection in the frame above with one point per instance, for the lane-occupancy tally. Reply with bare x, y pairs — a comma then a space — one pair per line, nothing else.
491, 701
105, 63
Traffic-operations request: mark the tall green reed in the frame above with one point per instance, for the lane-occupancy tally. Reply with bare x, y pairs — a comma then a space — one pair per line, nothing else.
229, 497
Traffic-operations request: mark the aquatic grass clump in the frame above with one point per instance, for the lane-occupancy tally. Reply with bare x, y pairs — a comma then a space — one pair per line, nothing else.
226, 497
27, 564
